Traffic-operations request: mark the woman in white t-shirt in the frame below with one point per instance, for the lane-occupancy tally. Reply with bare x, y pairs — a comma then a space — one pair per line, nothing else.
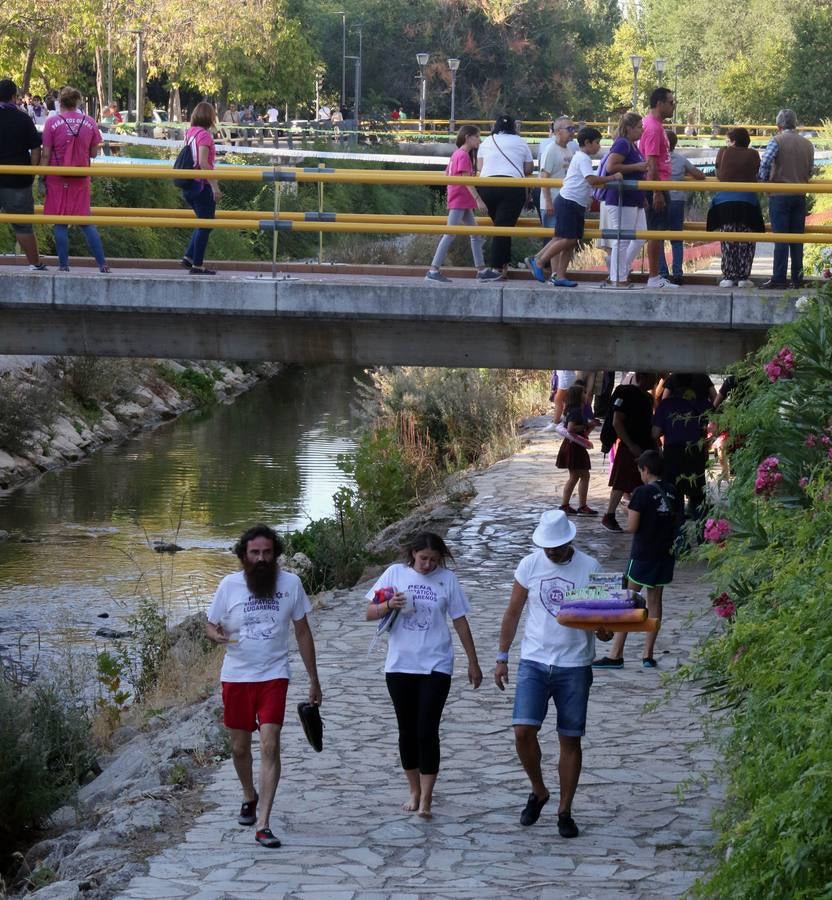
420, 656
503, 154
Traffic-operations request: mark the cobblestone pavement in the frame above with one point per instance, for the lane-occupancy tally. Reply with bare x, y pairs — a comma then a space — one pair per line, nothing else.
643, 804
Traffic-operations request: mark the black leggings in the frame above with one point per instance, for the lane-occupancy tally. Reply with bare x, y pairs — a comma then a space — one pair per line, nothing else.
504, 206
419, 701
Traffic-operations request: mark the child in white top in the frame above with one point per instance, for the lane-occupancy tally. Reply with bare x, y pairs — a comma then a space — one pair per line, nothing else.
571, 205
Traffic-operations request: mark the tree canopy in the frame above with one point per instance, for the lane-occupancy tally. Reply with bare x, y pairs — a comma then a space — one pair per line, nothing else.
732, 60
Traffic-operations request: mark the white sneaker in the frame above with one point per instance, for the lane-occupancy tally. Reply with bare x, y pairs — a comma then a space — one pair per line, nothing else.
659, 281
726, 282
746, 282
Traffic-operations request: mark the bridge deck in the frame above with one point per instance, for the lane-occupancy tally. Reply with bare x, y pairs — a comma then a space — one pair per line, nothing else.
316, 317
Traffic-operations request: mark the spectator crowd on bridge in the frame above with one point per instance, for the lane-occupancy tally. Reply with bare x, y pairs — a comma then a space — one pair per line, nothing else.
643, 149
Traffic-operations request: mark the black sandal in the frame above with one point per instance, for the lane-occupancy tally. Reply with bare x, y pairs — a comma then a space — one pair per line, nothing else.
248, 812
265, 838
532, 811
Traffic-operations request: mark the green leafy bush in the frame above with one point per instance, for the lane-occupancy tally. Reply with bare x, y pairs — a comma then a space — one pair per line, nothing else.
767, 670
45, 746
24, 410
199, 386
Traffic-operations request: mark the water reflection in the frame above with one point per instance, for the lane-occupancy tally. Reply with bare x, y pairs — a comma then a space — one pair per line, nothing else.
271, 456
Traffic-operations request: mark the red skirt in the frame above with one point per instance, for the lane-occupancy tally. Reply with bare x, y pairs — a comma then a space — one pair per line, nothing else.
572, 456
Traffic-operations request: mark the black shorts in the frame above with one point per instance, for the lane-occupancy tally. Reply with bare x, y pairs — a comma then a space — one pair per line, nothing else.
569, 219
651, 573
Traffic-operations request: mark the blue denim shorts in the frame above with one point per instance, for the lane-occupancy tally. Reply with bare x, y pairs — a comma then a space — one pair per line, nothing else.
568, 687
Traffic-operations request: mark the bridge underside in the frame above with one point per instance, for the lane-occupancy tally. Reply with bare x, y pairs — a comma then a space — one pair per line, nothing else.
382, 322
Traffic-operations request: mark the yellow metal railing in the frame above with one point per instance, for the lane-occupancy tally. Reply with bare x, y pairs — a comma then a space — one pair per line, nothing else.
356, 223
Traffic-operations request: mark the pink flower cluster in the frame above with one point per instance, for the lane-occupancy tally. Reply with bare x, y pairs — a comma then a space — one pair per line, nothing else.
716, 530
723, 606
781, 365
768, 476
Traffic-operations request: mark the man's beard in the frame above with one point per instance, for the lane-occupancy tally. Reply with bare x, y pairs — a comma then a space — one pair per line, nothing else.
261, 577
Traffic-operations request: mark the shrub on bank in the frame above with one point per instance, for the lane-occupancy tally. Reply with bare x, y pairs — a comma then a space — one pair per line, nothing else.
766, 670
45, 746
25, 408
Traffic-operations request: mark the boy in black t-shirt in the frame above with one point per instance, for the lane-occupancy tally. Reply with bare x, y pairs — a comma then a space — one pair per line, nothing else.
652, 517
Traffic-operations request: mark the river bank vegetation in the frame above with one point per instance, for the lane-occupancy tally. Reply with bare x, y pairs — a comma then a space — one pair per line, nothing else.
766, 670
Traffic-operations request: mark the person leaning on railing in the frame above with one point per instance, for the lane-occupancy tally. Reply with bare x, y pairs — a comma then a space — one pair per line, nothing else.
201, 194
736, 210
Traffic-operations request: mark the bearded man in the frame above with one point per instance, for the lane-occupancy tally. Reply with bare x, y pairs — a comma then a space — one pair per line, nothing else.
250, 616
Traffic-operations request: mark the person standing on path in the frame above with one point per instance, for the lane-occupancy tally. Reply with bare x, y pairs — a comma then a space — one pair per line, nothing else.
655, 149
71, 138
652, 517
788, 159
420, 656
19, 146
250, 616
572, 456
632, 420
555, 662
463, 199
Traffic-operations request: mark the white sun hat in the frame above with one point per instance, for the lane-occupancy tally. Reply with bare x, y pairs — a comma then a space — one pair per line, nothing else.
554, 529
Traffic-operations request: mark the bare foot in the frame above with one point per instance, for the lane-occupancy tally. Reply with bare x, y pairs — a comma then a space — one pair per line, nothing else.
425, 813
412, 804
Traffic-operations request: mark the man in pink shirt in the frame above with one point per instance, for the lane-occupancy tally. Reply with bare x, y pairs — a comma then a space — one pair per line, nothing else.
655, 149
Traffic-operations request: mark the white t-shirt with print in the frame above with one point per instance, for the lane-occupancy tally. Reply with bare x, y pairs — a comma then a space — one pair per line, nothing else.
509, 163
575, 186
259, 626
545, 640
420, 642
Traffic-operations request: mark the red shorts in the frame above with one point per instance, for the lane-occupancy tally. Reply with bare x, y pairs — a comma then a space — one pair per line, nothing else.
250, 704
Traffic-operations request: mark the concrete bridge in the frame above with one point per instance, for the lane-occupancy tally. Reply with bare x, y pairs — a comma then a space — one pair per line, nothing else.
336, 314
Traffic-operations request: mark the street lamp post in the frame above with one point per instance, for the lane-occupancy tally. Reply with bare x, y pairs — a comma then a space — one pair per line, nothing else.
343, 16
358, 74
453, 65
661, 65
635, 59
139, 78
422, 60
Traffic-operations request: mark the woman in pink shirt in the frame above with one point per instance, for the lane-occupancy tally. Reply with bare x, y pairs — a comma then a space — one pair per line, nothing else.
201, 194
462, 201
71, 138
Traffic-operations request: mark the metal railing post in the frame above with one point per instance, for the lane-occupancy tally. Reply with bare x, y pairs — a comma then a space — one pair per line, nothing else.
320, 210
276, 216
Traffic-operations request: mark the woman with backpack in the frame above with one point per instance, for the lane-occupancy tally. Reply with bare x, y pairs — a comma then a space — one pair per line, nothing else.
200, 193
71, 138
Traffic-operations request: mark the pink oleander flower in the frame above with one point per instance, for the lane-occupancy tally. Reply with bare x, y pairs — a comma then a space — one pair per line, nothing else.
768, 476
716, 530
811, 440
804, 483
824, 440
781, 365
726, 610
829, 454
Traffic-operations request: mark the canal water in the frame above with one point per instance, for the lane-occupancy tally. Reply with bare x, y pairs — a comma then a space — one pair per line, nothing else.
271, 456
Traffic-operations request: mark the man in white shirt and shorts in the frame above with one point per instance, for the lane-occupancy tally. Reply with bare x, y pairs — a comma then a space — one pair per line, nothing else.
250, 616
555, 662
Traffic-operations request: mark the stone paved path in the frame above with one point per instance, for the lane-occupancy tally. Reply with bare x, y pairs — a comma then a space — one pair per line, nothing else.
642, 804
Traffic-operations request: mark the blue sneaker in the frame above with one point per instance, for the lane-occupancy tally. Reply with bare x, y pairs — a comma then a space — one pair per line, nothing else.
562, 282
437, 276
535, 269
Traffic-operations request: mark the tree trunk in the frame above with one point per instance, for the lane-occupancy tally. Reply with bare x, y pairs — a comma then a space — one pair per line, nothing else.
27, 69
100, 79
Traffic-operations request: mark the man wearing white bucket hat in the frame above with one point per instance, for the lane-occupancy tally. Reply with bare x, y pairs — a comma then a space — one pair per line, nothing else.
555, 662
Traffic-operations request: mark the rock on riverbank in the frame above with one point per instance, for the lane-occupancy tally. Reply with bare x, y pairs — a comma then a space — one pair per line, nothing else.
127, 397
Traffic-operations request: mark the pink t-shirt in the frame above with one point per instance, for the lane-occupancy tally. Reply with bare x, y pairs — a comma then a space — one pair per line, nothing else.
70, 135
202, 138
459, 197
654, 143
